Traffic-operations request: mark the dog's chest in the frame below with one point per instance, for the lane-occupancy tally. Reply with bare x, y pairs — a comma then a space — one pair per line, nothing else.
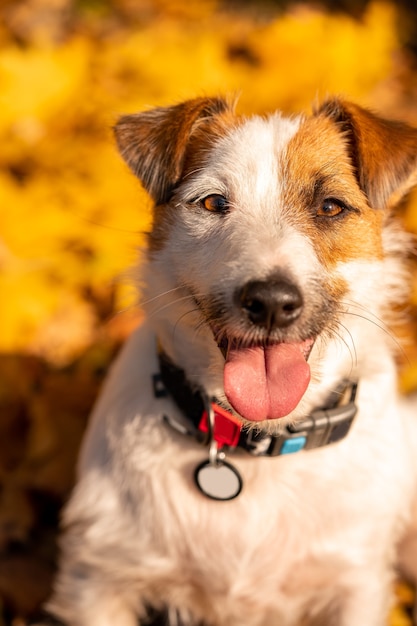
285, 531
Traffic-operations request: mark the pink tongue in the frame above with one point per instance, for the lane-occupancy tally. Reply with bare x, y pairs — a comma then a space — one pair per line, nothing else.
266, 383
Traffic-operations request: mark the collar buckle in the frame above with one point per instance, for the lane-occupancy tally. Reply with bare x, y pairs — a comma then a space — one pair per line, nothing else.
219, 425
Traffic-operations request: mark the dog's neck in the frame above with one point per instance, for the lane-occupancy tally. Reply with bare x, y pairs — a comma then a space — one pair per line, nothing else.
206, 420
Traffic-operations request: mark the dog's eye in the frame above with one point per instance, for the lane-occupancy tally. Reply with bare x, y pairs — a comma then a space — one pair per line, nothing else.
331, 208
215, 203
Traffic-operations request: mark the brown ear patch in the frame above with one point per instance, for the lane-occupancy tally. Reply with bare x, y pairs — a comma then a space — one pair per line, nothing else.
383, 152
318, 169
154, 143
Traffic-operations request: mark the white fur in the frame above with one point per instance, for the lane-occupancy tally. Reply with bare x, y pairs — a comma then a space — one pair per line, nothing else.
313, 535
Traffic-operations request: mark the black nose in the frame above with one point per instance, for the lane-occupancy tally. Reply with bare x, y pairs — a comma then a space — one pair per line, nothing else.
270, 304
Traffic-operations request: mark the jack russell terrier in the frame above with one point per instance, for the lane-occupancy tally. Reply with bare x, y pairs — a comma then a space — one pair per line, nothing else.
250, 461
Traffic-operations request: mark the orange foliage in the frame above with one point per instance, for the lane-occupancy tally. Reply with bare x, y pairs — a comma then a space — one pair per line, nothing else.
71, 215
70, 211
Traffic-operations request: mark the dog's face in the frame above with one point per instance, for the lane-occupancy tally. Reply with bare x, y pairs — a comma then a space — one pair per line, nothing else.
268, 230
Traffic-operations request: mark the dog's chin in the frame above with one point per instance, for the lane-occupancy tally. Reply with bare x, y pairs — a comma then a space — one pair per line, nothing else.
264, 381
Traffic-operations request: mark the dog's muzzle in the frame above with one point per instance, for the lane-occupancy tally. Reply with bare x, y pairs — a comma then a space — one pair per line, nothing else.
266, 332
270, 304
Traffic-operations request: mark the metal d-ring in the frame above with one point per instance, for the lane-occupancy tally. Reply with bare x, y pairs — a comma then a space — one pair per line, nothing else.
210, 420
216, 478
216, 456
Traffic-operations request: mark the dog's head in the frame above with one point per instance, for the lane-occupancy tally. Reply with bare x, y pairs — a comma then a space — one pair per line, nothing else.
268, 234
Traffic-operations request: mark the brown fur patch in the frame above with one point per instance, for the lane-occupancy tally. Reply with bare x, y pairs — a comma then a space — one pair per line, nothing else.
154, 143
195, 155
318, 167
383, 152
163, 145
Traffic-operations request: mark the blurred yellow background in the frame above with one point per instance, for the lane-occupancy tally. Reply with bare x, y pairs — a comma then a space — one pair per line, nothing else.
71, 215
70, 211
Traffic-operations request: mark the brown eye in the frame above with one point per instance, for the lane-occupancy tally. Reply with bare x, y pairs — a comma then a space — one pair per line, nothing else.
331, 208
215, 203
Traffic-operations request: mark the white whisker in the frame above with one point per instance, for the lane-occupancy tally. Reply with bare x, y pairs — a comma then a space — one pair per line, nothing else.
353, 353
170, 304
160, 295
370, 317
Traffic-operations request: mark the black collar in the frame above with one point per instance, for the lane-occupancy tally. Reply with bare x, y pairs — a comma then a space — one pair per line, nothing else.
206, 420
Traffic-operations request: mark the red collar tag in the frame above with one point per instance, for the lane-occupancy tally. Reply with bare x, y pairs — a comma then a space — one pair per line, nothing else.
227, 427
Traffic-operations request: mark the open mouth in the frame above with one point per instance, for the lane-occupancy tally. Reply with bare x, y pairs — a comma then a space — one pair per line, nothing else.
265, 381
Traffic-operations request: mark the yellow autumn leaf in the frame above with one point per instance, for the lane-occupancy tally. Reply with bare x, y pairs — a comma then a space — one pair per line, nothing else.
71, 214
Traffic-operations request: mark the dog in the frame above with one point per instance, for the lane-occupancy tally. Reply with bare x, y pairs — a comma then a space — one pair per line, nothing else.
250, 461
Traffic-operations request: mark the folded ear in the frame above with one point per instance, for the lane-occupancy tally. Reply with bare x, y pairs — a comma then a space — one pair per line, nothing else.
154, 143
383, 152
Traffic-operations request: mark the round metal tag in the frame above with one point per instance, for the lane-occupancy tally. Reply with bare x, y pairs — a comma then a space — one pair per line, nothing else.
218, 481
